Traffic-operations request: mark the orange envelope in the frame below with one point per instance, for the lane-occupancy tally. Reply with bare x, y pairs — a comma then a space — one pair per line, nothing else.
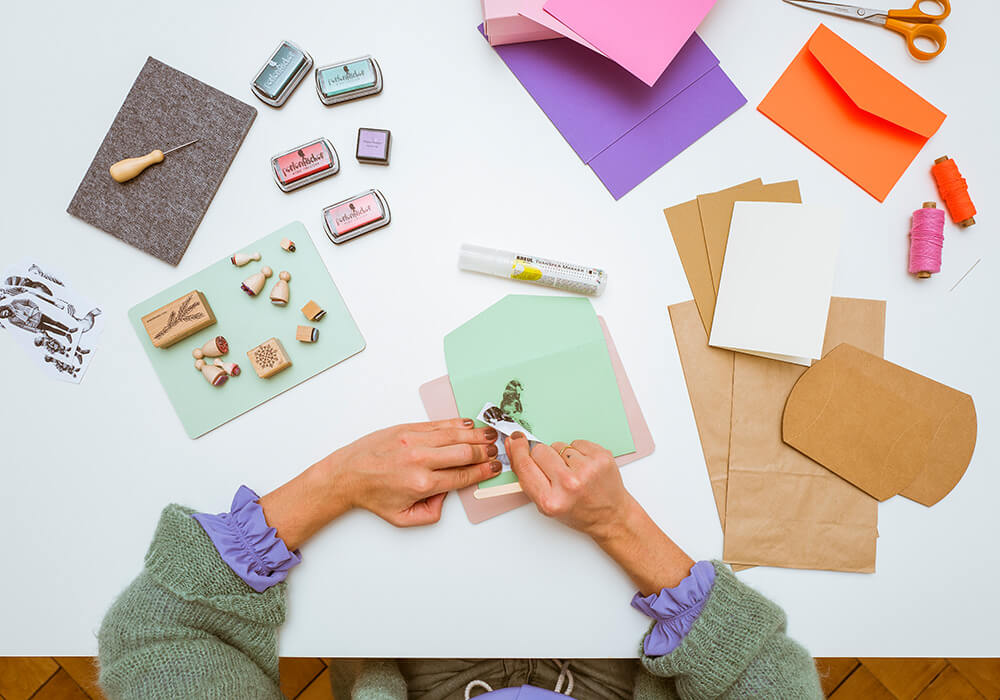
851, 112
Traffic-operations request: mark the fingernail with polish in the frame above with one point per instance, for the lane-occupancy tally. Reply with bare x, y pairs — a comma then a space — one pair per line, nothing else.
468, 422
491, 434
517, 435
492, 451
495, 467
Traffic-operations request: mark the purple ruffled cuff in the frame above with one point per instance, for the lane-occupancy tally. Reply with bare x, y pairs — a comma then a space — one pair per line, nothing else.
246, 544
675, 609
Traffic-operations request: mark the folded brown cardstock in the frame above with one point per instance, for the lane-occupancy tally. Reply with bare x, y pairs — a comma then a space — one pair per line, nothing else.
700, 229
716, 211
777, 507
885, 429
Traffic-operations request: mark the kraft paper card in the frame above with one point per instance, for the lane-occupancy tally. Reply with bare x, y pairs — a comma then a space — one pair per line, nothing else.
776, 281
544, 361
439, 402
624, 130
851, 113
159, 211
885, 429
782, 508
246, 322
642, 36
716, 211
684, 221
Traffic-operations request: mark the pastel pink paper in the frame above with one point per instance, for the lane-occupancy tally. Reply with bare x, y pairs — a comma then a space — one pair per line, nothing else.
439, 402
534, 10
642, 36
504, 25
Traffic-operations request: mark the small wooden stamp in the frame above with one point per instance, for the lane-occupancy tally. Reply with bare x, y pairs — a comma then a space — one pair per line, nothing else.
216, 347
288, 244
230, 368
269, 358
255, 282
213, 375
279, 293
313, 311
241, 259
306, 334
177, 320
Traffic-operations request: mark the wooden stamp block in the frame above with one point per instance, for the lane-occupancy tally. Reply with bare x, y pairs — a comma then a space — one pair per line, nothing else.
313, 311
269, 358
178, 319
306, 334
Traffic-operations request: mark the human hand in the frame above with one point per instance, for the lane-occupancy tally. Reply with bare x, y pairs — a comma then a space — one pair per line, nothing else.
401, 474
578, 484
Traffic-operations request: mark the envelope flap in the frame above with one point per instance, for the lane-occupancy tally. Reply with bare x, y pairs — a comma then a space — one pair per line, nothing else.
871, 87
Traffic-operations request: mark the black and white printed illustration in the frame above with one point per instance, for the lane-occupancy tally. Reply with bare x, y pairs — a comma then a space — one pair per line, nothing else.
56, 326
507, 418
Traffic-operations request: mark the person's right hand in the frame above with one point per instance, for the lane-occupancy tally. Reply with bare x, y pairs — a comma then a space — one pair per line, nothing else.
578, 484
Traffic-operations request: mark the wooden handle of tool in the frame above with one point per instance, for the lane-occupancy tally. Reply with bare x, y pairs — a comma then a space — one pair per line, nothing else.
125, 170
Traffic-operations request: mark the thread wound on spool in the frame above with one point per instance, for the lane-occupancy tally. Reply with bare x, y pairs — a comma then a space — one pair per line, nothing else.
954, 191
926, 241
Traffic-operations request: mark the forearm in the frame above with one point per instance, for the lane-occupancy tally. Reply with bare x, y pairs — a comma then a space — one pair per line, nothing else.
651, 559
187, 626
303, 506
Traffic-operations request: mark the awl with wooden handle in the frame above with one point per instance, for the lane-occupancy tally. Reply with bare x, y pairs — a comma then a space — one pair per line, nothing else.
125, 170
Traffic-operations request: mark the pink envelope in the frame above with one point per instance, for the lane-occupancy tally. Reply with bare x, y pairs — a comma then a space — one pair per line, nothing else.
642, 36
439, 402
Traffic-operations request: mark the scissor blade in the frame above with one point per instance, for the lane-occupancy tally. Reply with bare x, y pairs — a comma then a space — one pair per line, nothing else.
834, 8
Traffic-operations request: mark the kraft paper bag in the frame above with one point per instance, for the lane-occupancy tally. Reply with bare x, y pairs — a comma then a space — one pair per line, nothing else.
709, 374
782, 508
926, 431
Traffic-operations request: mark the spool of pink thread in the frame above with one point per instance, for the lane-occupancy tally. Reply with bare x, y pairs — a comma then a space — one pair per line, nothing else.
926, 240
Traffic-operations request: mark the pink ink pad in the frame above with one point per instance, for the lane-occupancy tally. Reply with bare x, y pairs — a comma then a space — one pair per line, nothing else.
305, 164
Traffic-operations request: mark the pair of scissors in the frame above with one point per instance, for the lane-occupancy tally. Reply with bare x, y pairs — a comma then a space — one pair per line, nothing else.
913, 23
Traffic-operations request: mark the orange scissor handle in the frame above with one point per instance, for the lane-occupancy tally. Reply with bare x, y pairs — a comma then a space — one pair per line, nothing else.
915, 14
912, 31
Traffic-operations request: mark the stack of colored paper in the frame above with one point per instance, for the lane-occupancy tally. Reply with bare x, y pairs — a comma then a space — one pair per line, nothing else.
758, 263
628, 85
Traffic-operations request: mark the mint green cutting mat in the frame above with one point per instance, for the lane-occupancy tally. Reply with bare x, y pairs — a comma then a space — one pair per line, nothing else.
555, 349
246, 322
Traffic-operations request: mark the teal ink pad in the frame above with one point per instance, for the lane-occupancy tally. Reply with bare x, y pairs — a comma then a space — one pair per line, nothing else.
281, 74
348, 80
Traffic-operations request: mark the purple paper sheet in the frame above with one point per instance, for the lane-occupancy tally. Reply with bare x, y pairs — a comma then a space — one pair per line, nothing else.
601, 109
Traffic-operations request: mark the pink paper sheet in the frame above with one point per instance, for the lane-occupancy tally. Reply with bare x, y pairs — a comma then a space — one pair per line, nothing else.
642, 36
534, 10
439, 402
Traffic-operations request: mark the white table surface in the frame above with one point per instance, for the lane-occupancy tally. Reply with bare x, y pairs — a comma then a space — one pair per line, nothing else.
85, 470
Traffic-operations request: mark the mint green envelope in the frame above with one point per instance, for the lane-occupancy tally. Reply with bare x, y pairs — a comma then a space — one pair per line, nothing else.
555, 351
246, 322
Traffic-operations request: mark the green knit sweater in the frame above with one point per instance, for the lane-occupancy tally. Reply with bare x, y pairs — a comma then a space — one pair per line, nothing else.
188, 627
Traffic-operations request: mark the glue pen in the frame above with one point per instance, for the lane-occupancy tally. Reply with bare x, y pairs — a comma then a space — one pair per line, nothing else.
527, 268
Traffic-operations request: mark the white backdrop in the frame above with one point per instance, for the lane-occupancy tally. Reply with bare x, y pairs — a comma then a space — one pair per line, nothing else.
86, 469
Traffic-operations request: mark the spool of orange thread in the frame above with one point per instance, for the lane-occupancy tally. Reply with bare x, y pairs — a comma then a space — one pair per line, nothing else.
954, 191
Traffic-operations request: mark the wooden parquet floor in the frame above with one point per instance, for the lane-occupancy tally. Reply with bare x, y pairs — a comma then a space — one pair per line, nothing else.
75, 678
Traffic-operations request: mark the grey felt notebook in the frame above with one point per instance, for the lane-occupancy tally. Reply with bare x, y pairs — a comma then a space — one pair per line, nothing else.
159, 210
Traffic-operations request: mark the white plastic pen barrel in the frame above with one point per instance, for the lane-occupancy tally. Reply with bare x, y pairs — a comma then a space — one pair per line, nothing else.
528, 268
